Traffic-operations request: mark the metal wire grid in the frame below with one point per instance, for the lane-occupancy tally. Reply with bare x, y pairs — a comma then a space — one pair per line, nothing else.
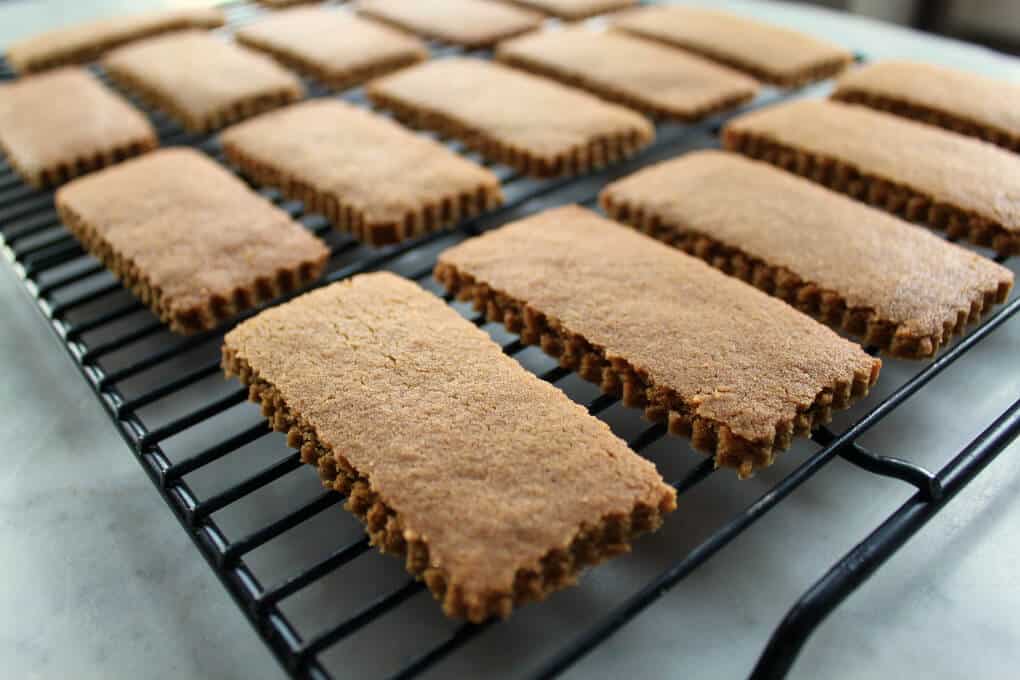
57, 273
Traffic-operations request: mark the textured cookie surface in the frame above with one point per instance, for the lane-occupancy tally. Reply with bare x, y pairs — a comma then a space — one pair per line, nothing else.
538, 126
202, 81
368, 174
337, 48
723, 362
900, 286
573, 10
490, 482
470, 23
190, 239
770, 53
965, 102
654, 79
56, 125
86, 41
946, 180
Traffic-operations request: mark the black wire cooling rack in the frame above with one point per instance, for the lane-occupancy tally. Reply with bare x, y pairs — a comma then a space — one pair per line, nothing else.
156, 388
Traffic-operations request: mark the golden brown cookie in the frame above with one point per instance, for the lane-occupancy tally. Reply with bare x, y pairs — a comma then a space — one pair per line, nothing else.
468, 23
947, 181
535, 125
493, 497
87, 41
772, 54
963, 102
575, 10
64, 123
188, 238
335, 48
718, 360
656, 80
898, 286
369, 175
202, 81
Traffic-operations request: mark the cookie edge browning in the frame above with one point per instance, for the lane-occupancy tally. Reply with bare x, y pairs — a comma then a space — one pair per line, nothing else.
82, 164
828, 306
335, 81
886, 194
444, 212
904, 108
220, 118
643, 105
823, 70
600, 151
199, 318
579, 15
619, 378
557, 569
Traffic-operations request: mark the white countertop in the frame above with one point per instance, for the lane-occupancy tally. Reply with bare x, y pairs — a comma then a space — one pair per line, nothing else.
99, 581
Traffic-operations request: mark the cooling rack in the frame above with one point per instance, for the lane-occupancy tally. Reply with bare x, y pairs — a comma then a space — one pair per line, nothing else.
180, 420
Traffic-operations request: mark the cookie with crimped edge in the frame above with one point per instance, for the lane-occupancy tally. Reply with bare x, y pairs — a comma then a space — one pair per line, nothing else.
369, 175
336, 48
772, 54
947, 181
964, 102
192, 241
575, 10
200, 80
656, 80
537, 126
64, 123
490, 483
87, 41
468, 23
898, 286
718, 360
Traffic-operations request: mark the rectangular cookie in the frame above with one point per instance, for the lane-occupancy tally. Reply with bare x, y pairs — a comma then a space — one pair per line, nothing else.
490, 483
335, 48
537, 126
575, 10
772, 54
898, 286
468, 23
200, 80
87, 41
722, 362
945, 180
658, 81
64, 123
188, 238
366, 173
963, 102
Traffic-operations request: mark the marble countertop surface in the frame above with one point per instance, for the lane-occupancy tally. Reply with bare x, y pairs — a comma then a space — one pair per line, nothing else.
99, 581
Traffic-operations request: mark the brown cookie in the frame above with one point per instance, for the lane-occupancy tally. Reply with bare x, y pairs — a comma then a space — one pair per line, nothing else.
770, 53
87, 41
202, 81
469, 23
656, 80
722, 362
369, 175
963, 102
900, 287
575, 10
493, 497
947, 181
188, 238
535, 125
335, 48
64, 123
